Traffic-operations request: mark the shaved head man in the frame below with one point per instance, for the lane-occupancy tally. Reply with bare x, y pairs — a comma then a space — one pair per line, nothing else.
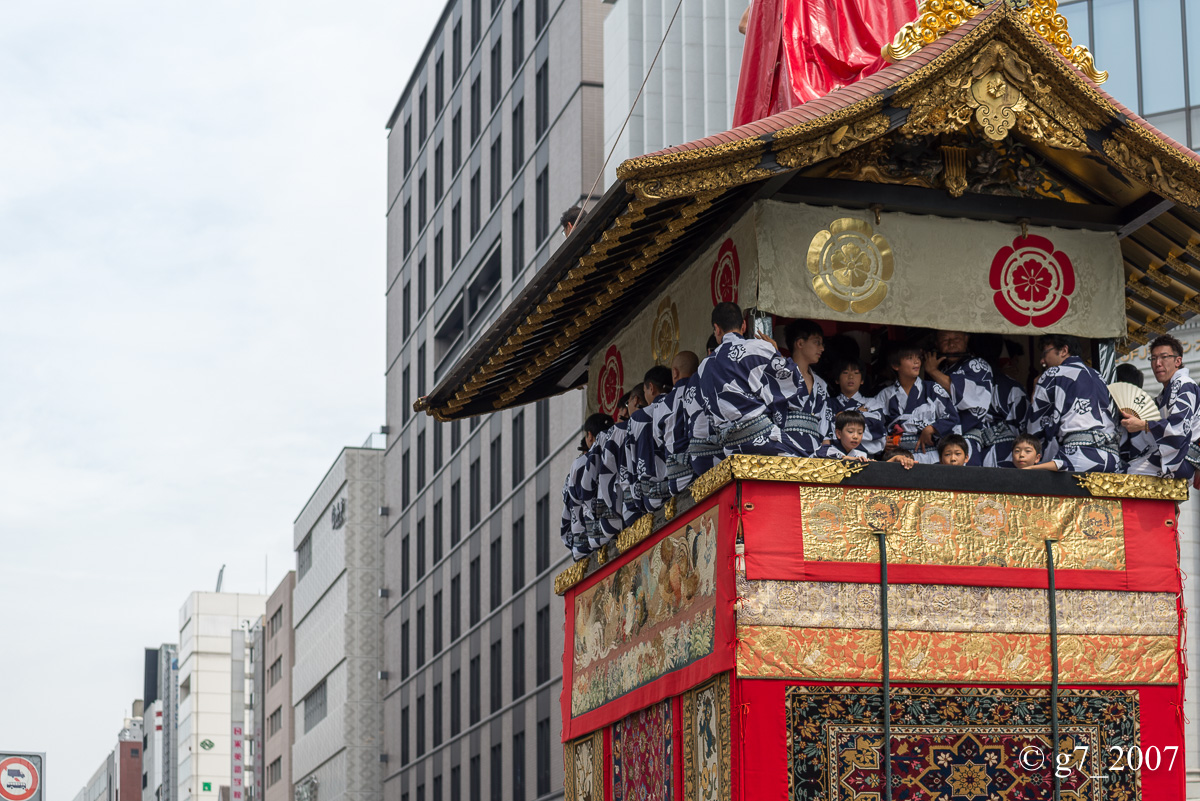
684, 365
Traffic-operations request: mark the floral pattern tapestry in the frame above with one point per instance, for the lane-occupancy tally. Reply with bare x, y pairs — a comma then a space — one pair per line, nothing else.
643, 755
952, 743
651, 616
584, 769
706, 742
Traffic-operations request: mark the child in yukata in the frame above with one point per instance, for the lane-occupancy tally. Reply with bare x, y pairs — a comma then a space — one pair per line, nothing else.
953, 450
1026, 451
849, 377
849, 427
917, 413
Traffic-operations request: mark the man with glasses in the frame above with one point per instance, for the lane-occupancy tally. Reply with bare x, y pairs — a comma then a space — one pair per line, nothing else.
1167, 447
1071, 411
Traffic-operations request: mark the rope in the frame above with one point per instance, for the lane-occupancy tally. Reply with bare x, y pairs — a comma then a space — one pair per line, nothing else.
620, 133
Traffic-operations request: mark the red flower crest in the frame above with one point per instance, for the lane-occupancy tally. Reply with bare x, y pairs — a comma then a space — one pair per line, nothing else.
725, 274
610, 381
1033, 282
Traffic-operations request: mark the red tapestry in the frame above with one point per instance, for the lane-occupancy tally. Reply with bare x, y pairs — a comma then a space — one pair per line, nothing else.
643, 755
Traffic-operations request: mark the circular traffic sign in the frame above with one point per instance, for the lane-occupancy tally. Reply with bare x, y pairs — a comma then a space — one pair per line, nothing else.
18, 779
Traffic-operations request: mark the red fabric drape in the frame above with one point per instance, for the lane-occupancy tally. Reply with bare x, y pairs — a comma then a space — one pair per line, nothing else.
798, 50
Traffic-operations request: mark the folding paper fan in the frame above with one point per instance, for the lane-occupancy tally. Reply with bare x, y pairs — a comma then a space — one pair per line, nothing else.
1131, 398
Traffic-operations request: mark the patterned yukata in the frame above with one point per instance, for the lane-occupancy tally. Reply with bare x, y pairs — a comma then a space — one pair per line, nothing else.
745, 387
809, 420
971, 386
704, 449
910, 412
1072, 412
666, 461
640, 470
1010, 406
614, 483
1168, 446
648, 456
573, 530
587, 493
873, 437
834, 450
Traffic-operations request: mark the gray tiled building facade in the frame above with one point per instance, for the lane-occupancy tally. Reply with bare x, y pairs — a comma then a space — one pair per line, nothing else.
497, 131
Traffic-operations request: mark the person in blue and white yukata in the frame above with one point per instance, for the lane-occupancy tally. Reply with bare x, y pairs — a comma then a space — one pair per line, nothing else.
917, 412
615, 476
1010, 401
809, 419
670, 433
969, 382
1072, 412
648, 466
1167, 447
579, 490
744, 388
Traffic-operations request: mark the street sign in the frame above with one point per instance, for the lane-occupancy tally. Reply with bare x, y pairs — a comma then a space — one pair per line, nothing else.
21, 776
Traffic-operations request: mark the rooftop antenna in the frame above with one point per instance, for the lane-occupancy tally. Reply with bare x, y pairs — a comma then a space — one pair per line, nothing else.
220, 576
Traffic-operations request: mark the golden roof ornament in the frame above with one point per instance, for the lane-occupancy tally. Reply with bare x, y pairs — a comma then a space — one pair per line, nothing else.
935, 18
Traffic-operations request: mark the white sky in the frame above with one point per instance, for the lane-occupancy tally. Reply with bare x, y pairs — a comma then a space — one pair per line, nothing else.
192, 201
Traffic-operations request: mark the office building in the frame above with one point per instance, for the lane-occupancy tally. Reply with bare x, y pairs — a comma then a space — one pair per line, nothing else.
273, 732
207, 622
336, 685
158, 739
120, 772
498, 131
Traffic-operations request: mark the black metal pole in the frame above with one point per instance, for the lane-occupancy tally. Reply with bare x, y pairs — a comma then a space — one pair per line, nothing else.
1053, 672
886, 672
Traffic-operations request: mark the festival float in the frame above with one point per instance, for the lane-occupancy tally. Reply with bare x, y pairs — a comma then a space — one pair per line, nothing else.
821, 629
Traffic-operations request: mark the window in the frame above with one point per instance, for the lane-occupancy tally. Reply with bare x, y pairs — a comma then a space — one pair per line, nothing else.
422, 115
456, 51
497, 565
541, 14
455, 702
542, 533
455, 512
406, 313
497, 774
541, 110
437, 788
518, 136
275, 672
422, 201
518, 448
456, 607
275, 771
474, 590
496, 168
497, 74
455, 234
276, 623
421, 547
420, 636
474, 703
420, 792
405, 468
407, 228
476, 778
542, 218
476, 22
476, 204
407, 144
518, 662
406, 385
543, 645
405, 555
456, 783
437, 622
437, 714
518, 767
543, 756
422, 294
404, 735
496, 475
476, 490
304, 557
438, 552
518, 34
456, 141
518, 554
518, 240
476, 109
439, 180
420, 471
404, 646
314, 707
275, 722
439, 88
496, 676
542, 423
455, 435
439, 261
420, 725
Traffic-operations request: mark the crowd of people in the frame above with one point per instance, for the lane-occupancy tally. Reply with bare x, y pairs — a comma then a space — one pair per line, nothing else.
946, 406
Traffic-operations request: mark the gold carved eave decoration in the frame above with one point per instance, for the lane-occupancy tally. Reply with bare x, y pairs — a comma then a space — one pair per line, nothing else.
935, 18
1118, 485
